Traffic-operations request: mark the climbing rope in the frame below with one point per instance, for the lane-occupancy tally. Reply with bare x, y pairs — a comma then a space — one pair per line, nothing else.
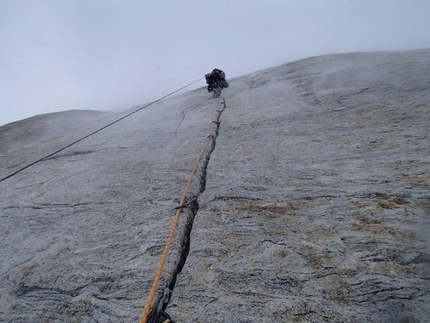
174, 224
94, 132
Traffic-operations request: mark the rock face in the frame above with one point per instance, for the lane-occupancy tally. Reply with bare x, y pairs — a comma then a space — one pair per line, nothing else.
311, 202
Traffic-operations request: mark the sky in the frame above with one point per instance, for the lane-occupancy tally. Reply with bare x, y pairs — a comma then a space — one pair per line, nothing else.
112, 55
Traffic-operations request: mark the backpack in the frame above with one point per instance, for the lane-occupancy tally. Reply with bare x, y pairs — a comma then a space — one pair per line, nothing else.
218, 72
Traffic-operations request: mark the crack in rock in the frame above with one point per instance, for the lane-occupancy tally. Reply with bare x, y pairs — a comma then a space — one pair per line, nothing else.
192, 207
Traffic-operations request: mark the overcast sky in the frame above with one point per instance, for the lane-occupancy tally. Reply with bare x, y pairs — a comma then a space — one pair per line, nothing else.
109, 55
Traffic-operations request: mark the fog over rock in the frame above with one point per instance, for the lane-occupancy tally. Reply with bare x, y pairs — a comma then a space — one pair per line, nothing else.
310, 204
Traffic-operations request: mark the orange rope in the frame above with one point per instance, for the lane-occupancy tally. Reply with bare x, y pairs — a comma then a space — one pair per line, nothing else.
172, 230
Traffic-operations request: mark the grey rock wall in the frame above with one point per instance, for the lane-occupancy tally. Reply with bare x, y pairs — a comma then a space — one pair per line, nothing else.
322, 213
313, 202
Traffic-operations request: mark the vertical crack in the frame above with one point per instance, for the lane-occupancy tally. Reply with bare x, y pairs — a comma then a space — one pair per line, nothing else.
188, 214
201, 187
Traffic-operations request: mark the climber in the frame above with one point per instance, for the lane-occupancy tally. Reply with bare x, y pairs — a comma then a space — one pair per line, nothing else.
216, 81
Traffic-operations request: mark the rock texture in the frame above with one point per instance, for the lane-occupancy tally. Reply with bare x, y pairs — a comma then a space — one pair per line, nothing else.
311, 204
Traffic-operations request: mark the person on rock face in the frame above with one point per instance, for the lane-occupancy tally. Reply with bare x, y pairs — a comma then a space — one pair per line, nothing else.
216, 81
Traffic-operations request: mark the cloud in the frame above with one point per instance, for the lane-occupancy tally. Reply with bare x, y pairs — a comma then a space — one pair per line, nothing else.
104, 55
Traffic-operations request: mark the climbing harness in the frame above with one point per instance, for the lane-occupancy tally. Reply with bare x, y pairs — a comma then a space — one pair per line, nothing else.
94, 132
143, 318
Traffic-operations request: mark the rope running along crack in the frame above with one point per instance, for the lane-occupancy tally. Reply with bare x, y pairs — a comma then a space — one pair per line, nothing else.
210, 137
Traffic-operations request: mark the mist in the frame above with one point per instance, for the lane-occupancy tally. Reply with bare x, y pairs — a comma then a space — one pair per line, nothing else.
108, 55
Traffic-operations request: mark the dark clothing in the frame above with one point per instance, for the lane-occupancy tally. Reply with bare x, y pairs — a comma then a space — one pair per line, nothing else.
216, 80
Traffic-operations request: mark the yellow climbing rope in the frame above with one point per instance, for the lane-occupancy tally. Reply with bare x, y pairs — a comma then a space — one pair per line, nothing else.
172, 230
